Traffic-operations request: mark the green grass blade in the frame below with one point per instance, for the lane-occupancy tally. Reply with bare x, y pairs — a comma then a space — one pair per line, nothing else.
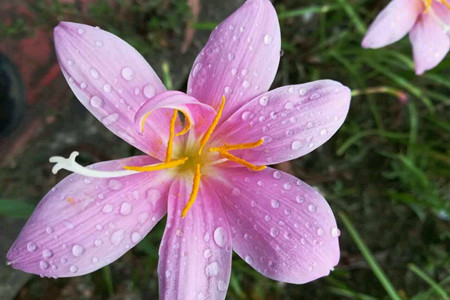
15, 209
429, 280
384, 280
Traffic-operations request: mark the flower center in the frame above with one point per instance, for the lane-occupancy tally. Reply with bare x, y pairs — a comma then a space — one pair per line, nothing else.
193, 160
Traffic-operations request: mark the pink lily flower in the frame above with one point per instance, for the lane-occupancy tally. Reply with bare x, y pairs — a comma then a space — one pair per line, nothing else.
206, 171
428, 24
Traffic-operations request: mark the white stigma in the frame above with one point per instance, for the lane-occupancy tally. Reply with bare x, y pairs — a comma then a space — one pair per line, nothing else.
70, 164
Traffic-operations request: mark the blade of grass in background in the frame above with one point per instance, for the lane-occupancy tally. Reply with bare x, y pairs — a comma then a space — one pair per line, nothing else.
430, 281
15, 209
384, 280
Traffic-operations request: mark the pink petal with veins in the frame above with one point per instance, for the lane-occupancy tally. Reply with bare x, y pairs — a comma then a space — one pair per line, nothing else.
392, 23
240, 59
85, 223
280, 226
430, 42
110, 78
292, 120
195, 254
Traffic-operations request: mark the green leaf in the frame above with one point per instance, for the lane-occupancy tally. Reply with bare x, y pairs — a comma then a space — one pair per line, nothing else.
15, 209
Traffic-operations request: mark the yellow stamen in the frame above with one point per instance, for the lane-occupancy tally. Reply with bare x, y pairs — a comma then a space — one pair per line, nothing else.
143, 119
211, 128
156, 167
171, 136
187, 126
195, 187
241, 161
427, 5
237, 146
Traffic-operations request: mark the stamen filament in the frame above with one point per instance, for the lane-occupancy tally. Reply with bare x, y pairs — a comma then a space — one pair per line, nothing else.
242, 161
237, 146
195, 187
171, 136
187, 125
156, 167
211, 128
427, 5
445, 3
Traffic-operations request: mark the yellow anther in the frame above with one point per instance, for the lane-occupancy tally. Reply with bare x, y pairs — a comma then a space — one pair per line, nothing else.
195, 187
427, 5
143, 119
156, 167
211, 128
242, 161
171, 136
237, 146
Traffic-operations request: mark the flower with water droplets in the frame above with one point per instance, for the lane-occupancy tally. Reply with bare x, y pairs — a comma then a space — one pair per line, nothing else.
428, 24
204, 164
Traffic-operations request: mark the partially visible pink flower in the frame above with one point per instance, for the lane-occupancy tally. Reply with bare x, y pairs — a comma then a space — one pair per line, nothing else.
428, 24
207, 173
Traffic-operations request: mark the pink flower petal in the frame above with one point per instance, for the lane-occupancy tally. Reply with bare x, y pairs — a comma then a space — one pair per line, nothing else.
195, 254
110, 78
430, 42
200, 115
292, 121
392, 23
240, 59
280, 226
85, 223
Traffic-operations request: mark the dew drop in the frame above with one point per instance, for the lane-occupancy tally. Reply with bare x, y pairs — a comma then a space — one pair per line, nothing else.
125, 209
248, 259
96, 102
95, 73
268, 39
236, 192
143, 217
267, 139
263, 100
290, 90
114, 184
212, 269
287, 186
99, 227
98, 243
302, 241
320, 232
245, 115
275, 203
246, 84
95, 259
149, 91
300, 199
267, 218
136, 237
323, 132
68, 224
207, 253
108, 208
98, 43
127, 73
70, 62
335, 232
220, 237
274, 232
302, 92
296, 145
230, 56
49, 229
277, 174
221, 285
107, 88
153, 195
289, 105
73, 269
78, 250
312, 208
83, 85
110, 119
314, 96
233, 72
117, 237
43, 265
80, 31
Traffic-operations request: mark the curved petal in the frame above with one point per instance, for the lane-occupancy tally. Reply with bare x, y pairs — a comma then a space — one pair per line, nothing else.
392, 23
110, 78
195, 253
199, 116
292, 121
85, 223
430, 43
279, 225
240, 59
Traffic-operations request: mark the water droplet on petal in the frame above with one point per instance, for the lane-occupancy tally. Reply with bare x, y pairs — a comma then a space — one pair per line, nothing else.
47, 253
196, 69
43, 265
275, 203
290, 90
127, 73
108, 208
153, 195
248, 259
263, 100
125, 209
277, 174
114, 184
335, 232
80, 31
98, 243
323, 132
70, 62
117, 237
83, 85
296, 145
95, 73
246, 84
31, 247
221, 285
267, 218
220, 237
149, 91
230, 56
274, 232
107, 88
267, 39
320, 231
288, 105
233, 72
136, 237
95, 259
207, 253
73, 269
300, 199
312, 208
245, 115
287, 186
96, 102
236, 192
212, 269
302, 241
78, 250
110, 119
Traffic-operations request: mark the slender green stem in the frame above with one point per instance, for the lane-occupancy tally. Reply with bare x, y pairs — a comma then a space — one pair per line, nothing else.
430, 281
